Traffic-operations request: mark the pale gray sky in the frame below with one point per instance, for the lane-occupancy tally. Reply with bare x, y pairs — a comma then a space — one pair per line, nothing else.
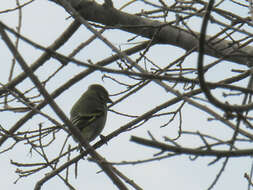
43, 22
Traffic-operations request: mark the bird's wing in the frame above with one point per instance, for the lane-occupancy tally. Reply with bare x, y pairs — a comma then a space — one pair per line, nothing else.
83, 120
90, 117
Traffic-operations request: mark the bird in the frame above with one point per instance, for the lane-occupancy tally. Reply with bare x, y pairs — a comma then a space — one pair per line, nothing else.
89, 113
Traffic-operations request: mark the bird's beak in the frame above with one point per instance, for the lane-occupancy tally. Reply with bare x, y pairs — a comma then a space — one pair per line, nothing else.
109, 100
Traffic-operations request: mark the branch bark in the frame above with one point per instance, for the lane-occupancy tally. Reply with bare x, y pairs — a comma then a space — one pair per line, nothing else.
164, 33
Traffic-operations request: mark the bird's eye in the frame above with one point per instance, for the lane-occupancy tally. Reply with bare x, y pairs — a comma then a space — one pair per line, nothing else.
101, 97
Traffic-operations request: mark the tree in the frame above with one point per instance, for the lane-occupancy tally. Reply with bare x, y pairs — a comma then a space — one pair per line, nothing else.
166, 95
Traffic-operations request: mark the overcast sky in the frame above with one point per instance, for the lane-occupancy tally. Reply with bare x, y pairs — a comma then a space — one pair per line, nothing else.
43, 22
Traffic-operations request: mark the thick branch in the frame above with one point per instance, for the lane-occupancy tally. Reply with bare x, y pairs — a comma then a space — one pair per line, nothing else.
164, 32
45, 56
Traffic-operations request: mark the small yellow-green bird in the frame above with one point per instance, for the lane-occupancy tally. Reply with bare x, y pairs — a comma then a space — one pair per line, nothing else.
89, 113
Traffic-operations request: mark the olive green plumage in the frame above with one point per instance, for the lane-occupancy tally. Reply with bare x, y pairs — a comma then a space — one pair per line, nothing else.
89, 113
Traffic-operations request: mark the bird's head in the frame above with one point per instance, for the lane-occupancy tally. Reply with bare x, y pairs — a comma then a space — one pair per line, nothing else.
101, 92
